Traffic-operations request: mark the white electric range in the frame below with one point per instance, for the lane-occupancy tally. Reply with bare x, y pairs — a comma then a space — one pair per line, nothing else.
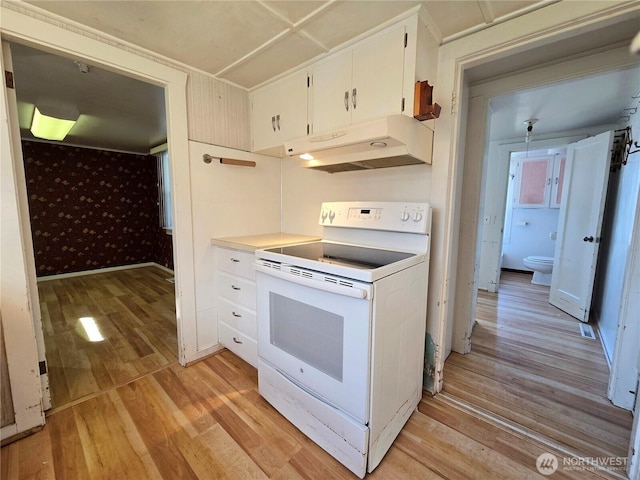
341, 327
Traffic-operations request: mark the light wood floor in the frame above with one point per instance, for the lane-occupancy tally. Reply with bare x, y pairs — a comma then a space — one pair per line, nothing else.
133, 309
529, 365
208, 420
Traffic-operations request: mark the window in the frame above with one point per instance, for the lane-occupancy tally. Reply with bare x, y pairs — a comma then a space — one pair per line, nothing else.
164, 187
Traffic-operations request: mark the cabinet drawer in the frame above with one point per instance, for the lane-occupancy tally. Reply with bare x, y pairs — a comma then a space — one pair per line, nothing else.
238, 317
235, 262
237, 290
243, 346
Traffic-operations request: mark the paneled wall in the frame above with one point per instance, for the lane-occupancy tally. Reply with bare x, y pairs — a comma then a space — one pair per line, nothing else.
218, 113
92, 209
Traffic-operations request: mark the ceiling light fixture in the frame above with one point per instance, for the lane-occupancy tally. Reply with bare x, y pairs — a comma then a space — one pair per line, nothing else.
83, 67
306, 156
529, 123
51, 123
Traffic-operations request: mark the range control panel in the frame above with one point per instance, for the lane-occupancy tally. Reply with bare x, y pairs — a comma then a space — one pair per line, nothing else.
391, 216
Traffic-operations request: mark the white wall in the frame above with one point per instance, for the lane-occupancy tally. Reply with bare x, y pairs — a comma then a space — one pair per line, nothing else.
304, 190
227, 200
530, 235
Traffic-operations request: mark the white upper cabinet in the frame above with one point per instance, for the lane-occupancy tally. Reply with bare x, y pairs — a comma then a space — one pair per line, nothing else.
539, 182
279, 113
370, 79
359, 84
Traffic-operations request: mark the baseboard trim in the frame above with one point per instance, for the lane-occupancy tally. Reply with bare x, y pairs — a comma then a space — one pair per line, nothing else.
102, 270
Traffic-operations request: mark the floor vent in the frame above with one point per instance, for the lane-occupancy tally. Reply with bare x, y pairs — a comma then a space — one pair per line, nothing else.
587, 332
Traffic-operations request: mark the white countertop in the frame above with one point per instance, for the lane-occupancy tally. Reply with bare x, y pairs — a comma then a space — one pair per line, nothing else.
250, 243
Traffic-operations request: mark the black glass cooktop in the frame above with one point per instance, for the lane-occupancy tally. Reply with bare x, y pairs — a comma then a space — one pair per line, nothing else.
346, 255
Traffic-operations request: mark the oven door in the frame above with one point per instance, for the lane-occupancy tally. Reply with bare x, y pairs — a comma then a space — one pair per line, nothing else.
315, 330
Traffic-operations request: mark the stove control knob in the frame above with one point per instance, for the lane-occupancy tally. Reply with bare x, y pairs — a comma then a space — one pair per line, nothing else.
417, 217
405, 216
332, 215
324, 216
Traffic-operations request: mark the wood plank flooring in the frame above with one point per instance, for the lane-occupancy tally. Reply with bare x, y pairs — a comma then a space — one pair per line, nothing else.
529, 365
208, 421
132, 309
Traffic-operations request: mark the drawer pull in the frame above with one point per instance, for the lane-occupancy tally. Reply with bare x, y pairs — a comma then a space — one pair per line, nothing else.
234, 260
236, 340
237, 315
235, 288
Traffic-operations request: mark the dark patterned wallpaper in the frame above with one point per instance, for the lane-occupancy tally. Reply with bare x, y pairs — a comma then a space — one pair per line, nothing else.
92, 209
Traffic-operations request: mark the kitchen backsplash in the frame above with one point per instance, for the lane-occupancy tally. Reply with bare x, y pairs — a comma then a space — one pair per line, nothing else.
92, 209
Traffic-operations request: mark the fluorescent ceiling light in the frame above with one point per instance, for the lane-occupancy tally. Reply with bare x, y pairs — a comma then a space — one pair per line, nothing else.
52, 127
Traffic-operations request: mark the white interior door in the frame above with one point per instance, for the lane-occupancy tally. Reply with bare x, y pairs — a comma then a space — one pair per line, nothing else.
580, 223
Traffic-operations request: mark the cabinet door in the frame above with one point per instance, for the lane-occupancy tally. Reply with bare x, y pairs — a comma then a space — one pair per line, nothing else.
557, 181
331, 93
378, 70
279, 111
533, 186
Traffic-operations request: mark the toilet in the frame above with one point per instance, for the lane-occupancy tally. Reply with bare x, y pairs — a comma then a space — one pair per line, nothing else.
542, 268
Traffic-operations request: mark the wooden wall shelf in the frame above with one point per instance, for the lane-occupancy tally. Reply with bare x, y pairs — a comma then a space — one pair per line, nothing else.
206, 158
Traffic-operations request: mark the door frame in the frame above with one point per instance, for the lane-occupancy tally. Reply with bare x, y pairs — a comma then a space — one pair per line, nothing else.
87, 47
473, 186
453, 190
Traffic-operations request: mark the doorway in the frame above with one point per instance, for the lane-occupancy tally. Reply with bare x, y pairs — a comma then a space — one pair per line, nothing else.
93, 213
19, 327
472, 191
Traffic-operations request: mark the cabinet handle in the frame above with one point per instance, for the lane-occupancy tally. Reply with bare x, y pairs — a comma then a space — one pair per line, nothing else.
278, 121
235, 288
549, 181
237, 315
234, 260
237, 341
556, 180
346, 100
353, 98
273, 123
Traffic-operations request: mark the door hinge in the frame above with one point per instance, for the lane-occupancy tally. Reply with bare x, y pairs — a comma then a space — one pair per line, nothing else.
8, 79
307, 129
308, 81
406, 37
402, 109
43, 367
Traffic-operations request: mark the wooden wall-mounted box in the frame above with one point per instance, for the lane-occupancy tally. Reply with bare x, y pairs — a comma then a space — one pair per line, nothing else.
423, 106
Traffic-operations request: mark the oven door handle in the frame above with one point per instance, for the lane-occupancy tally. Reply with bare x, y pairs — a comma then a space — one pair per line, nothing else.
354, 292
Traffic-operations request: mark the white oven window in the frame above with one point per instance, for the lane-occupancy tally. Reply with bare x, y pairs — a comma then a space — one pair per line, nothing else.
308, 333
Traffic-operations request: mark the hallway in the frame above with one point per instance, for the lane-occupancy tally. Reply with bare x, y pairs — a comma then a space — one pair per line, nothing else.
530, 366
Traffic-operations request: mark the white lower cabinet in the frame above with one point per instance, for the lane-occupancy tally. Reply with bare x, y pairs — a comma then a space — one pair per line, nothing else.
236, 300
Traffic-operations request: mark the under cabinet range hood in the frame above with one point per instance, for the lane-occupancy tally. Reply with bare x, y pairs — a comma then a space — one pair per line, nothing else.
387, 142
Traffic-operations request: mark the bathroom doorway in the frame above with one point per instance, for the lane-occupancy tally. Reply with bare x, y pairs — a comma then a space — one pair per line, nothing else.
532, 205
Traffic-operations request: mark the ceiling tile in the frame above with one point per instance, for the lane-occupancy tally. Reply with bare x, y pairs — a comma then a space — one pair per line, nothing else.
453, 17
346, 20
505, 7
294, 11
207, 35
284, 55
